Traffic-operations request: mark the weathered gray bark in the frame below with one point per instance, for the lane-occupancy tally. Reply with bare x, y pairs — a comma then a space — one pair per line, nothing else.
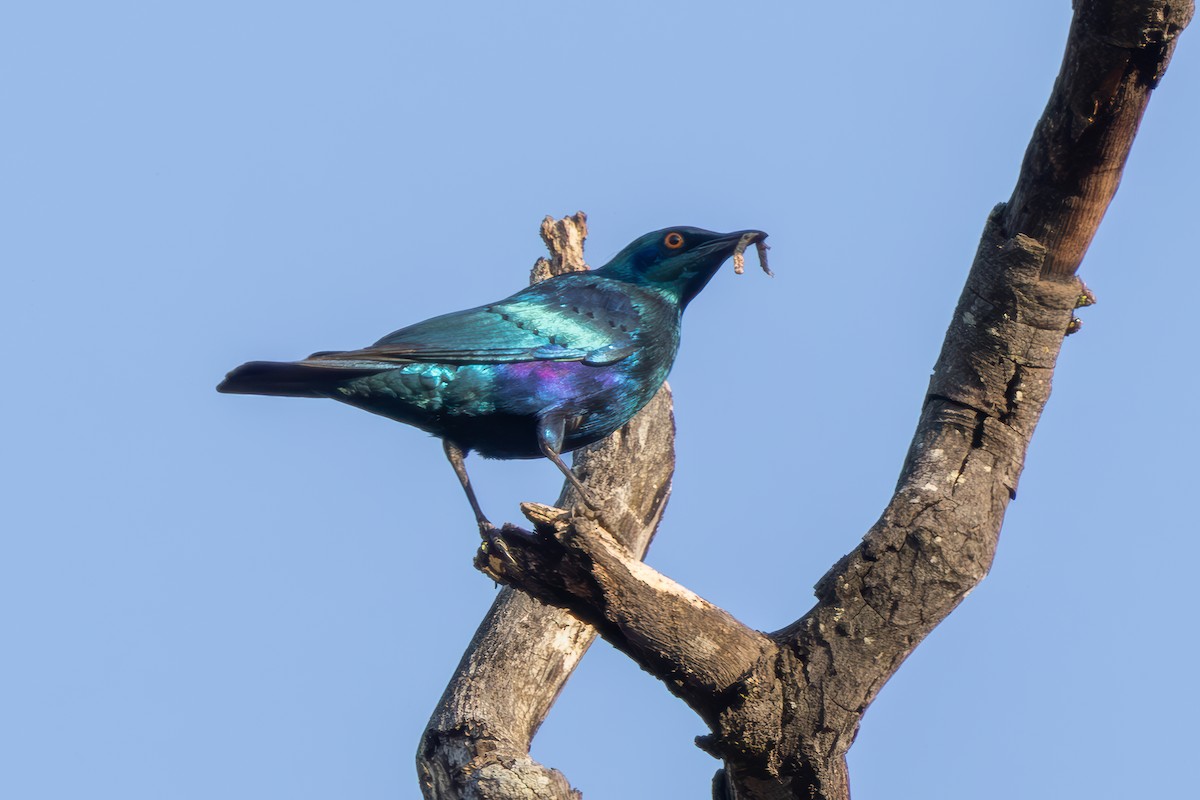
785, 707
477, 742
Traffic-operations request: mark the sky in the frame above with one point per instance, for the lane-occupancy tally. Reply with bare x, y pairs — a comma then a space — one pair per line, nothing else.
219, 596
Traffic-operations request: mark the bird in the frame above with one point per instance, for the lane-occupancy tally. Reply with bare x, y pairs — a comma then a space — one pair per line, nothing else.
556, 366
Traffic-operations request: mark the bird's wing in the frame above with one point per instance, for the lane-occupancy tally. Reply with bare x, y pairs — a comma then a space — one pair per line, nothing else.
571, 318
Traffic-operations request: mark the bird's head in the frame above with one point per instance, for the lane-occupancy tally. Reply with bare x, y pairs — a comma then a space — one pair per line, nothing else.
677, 262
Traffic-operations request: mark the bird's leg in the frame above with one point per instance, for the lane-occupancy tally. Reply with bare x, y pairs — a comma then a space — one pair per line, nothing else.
457, 460
487, 531
550, 432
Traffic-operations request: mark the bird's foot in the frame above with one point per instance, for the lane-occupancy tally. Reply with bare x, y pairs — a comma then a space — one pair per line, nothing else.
593, 511
586, 498
496, 559
494, 556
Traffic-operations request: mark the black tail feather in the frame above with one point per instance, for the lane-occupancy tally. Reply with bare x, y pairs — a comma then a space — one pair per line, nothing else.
288, 379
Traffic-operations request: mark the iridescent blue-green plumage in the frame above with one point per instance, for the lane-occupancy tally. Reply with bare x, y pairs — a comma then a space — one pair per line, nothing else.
556, 366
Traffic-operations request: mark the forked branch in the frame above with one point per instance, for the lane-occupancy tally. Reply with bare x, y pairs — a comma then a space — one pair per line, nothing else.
784, 708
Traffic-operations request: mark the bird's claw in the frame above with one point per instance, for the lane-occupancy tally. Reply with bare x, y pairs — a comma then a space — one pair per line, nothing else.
587, 501
494, 557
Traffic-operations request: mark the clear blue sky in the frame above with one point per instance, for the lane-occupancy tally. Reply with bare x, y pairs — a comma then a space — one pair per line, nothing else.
206, 596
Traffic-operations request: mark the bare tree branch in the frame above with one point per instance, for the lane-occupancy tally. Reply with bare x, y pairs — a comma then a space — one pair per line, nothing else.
785, 708
1117, 52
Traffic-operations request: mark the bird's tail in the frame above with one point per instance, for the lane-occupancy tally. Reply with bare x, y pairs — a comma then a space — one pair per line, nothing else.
289, 378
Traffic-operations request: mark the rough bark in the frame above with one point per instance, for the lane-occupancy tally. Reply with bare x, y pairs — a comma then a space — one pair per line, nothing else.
1117, 52
477, 742
784, 708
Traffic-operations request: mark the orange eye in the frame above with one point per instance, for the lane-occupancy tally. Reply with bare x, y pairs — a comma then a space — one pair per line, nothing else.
673, 240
